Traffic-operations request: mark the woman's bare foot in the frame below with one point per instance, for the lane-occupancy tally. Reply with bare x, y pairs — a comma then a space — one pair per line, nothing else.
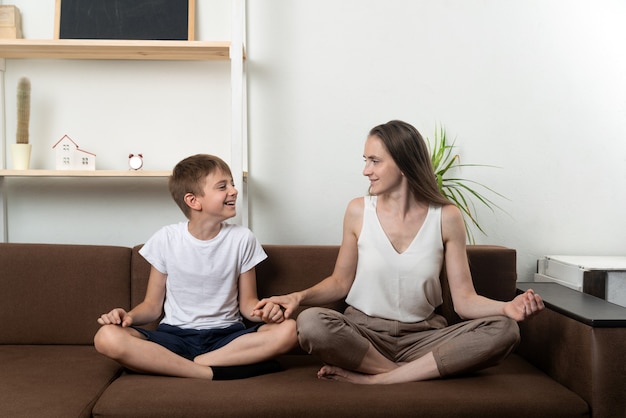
424, 368
342, 375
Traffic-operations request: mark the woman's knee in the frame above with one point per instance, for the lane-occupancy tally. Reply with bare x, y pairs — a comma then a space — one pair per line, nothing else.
313, 327
506, 336
486, 343
510, 332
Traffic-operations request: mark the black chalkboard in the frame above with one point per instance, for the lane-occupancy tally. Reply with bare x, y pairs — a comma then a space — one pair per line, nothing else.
125, 19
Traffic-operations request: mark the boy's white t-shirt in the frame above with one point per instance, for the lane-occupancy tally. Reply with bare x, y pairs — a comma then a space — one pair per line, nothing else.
202, 276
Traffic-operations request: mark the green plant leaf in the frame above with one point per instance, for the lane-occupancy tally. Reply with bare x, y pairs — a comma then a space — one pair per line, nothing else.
460, 191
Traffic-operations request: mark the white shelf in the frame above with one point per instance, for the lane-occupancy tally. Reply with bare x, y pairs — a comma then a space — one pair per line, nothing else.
90, 173
89, 49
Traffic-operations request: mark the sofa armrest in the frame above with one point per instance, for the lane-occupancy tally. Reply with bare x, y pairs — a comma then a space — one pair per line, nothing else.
580, 341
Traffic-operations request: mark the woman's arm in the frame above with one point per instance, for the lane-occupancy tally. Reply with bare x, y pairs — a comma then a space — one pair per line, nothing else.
338, 284
467, 303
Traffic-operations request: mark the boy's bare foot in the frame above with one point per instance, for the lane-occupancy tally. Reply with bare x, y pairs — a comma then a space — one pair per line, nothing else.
342, 375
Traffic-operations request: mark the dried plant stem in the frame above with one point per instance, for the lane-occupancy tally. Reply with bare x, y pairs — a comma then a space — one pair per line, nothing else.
23, 110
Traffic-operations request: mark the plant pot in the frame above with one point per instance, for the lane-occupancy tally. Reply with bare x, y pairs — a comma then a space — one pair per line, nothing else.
20, 153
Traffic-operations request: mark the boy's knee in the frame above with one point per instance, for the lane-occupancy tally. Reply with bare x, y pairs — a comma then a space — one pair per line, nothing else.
281, 338
286, 330
288, 334
106, 339
100, 339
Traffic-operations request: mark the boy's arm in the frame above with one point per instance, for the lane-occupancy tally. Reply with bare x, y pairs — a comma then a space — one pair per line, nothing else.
248, 298
147, 311
151, 307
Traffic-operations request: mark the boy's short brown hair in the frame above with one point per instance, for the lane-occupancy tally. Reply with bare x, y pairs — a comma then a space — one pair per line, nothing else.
189, 176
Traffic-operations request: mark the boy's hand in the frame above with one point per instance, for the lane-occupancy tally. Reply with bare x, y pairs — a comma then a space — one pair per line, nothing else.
269, 313
288, 303
117, 316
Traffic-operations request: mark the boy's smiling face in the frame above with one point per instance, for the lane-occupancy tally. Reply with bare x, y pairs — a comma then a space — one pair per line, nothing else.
220, 195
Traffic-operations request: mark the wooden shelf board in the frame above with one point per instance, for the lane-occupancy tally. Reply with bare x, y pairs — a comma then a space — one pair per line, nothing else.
92, 173
114, 49
77, 173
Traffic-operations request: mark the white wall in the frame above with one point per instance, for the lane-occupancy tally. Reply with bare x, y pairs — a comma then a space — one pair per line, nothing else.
537, 88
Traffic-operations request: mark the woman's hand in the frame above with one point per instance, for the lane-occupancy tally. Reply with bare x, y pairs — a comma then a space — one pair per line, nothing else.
287, 304
269, 312
524, 306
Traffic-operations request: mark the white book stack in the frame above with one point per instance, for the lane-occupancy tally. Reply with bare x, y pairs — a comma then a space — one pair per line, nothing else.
601, 276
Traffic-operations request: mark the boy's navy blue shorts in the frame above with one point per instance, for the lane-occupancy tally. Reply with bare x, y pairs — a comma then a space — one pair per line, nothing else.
190, 343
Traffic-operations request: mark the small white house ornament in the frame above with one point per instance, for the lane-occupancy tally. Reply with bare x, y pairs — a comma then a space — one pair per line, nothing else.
69, 156
135, 161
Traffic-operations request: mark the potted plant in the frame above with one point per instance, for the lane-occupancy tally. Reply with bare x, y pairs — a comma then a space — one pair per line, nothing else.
460, 191
20, 151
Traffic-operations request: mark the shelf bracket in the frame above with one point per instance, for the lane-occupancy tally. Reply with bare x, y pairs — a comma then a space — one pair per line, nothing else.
4, 236
238, 134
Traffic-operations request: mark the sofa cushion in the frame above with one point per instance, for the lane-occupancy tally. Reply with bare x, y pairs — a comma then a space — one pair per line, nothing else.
512, 389
290, 268
53, 294
493, 271
52, 381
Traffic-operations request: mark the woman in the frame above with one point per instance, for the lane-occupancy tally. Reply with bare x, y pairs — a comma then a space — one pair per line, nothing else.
395, 242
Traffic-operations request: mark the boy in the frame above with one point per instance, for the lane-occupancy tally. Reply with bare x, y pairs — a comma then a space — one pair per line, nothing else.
203, 279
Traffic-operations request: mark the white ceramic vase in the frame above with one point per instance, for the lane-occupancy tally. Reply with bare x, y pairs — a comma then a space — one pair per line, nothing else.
20, 153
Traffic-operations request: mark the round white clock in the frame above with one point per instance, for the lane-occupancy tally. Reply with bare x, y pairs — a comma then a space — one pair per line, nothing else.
135, 162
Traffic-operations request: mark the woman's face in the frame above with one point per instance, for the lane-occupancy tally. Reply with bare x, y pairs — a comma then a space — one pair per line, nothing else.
380, 168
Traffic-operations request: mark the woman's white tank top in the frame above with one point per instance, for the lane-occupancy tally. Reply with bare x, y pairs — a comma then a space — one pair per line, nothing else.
403, 287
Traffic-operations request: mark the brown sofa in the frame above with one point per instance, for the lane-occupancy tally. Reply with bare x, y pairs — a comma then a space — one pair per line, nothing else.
51, 295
